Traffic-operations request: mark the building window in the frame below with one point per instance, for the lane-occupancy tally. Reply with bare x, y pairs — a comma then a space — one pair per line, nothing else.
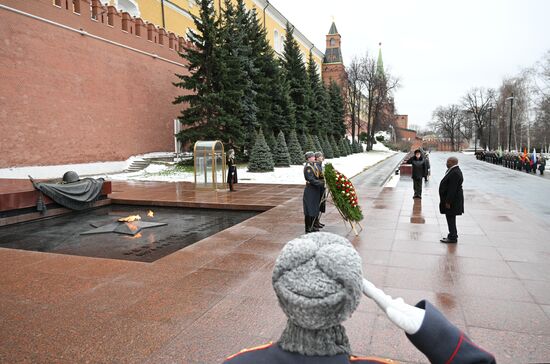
276, 45
282, 43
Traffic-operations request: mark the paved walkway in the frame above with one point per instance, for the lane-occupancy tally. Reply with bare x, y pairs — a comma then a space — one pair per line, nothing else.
214, 298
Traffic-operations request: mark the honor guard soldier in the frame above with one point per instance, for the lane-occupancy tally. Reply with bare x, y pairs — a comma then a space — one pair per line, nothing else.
319, 158
312, 192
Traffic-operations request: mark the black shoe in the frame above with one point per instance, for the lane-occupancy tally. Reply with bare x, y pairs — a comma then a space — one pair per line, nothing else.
448, 241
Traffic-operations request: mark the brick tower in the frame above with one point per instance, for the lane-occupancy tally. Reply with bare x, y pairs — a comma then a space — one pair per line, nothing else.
333, 64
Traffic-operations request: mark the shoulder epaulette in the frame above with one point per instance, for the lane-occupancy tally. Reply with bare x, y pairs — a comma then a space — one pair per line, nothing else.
256, 348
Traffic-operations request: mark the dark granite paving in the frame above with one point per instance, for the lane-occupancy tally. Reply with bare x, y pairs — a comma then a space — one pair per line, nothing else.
213, 298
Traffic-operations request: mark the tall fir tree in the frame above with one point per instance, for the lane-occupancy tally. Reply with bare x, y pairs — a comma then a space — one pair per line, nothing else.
270, 140
317, 144
238, 88
319, 115
275, 109
337, 123
295, 149
203, 117
347, 144
327, 148
343, 148
296, 76
304, 140
335, 147
261, 159
310, 145
281, 157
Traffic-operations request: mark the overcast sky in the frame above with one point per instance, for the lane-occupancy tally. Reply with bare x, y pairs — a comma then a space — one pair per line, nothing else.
439, 49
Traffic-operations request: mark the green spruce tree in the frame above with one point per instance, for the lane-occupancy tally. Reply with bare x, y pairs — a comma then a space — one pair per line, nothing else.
238, 88
275, 109
343, 148
270, 140
317, 99
336, 102
303, 138
296, 76
327, 148
335, 148
317, 144
348, 146
310, 145
203, 116
261, 159
295, 149
281, 156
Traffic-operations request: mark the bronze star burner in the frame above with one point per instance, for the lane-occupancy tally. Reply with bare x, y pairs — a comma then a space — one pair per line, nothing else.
130, 225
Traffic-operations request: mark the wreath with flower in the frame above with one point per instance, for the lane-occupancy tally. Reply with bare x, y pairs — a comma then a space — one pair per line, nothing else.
343, 194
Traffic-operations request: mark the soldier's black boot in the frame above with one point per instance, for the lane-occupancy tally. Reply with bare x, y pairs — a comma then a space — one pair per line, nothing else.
310, 224
316, 224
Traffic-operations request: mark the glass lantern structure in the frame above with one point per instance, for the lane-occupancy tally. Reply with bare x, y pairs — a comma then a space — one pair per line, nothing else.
209, 160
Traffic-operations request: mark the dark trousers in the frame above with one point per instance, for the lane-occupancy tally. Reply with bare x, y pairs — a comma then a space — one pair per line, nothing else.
417, 186
451, 223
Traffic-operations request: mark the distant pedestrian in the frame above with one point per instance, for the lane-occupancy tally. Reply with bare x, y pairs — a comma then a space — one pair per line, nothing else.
428, 169
542, 165
451, 198
419, 171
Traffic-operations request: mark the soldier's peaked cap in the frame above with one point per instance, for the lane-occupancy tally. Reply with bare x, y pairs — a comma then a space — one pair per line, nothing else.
309, 155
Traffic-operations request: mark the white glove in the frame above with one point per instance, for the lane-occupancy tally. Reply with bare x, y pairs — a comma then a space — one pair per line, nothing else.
404, 316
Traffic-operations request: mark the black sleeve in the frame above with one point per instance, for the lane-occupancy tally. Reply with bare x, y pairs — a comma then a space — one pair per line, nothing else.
309, 175
442, 342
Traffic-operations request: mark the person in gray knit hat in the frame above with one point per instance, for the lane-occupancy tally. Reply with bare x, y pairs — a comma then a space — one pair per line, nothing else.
319, 282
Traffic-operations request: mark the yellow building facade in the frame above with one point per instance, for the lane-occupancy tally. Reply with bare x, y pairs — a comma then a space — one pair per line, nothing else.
175, 16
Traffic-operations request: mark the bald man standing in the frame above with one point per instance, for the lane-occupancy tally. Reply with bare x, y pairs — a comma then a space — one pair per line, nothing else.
451, 198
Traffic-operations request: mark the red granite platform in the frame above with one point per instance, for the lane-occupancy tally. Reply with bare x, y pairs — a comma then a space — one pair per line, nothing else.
214, 298
19, 194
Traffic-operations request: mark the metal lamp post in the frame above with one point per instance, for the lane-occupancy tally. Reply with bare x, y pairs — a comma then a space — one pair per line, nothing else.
511, 99
491, 108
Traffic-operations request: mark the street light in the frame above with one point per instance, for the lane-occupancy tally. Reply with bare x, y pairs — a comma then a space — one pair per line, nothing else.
490, 108
511, 98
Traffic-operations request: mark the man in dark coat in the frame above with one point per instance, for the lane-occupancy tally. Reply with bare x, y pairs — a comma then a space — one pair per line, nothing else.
419, 170
451, 198
312, 193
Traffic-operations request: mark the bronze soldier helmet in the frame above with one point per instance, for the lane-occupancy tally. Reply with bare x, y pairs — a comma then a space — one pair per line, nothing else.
70, 177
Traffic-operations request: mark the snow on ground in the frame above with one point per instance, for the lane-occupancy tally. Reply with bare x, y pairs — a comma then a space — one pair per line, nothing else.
350, 166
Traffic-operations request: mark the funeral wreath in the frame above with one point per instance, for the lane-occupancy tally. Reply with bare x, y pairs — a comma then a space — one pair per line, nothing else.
343, 194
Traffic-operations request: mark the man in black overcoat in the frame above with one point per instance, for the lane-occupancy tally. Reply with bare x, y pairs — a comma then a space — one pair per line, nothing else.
312, 193
451, 198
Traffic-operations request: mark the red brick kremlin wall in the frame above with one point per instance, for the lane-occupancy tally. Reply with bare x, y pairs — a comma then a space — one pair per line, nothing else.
69, 98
